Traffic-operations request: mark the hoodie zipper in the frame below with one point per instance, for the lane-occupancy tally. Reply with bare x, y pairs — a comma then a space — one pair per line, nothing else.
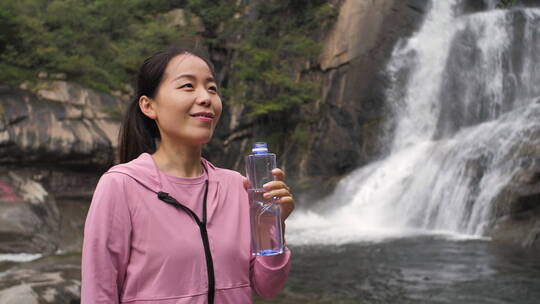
204, 236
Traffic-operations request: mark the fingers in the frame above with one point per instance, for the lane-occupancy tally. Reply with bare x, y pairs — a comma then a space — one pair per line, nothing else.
246, 183
275, 185
281, 192
287, 206
279, 174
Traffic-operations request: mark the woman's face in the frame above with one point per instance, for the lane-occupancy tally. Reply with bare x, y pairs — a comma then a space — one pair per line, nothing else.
187, 106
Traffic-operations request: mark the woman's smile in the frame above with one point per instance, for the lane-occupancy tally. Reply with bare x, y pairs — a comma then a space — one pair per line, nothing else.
204, 116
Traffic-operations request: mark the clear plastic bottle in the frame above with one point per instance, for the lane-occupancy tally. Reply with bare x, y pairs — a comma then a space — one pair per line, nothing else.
266, 230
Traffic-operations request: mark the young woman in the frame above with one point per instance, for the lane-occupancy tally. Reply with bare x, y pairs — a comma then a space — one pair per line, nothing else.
166, 226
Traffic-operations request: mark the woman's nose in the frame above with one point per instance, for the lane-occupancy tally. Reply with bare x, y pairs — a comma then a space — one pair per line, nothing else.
203, 97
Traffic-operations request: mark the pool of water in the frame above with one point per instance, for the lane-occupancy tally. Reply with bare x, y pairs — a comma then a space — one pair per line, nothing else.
421, 269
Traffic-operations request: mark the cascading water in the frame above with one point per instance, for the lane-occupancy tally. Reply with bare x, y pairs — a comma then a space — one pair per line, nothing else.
465, 100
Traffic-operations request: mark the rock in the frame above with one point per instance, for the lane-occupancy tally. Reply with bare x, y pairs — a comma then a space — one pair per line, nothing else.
51, 279
62, 76
54, 145
42, 210
356, 32
64, 124
20, 294
532, 239
30, 217
176, 17
517, 206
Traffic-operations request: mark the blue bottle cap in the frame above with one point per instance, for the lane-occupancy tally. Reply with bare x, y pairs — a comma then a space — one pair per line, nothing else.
259, 148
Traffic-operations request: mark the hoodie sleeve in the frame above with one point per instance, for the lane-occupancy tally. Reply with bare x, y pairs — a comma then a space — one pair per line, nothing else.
269, 273
106, 244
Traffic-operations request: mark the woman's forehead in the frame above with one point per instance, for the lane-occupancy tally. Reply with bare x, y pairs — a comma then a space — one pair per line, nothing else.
188, 64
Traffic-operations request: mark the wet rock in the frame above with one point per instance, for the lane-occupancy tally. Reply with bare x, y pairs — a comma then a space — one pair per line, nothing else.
54, 145
517, 207
30, 217
52, 279
42, 210
18, 294
62, 124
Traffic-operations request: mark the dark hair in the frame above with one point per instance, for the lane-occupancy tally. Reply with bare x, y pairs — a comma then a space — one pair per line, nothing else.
138, 132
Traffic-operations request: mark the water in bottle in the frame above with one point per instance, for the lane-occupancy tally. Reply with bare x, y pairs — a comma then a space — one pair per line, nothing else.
265, 214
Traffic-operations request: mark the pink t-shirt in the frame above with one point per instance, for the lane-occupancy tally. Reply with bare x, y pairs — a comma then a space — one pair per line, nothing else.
189, 191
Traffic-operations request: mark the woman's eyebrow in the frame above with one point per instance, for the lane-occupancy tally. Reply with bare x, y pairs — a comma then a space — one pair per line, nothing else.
192, 77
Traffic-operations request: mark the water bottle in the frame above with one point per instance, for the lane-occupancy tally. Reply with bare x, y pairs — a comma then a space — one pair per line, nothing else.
265, 214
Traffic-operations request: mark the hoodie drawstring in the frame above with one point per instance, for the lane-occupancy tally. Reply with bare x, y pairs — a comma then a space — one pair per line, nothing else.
204, 236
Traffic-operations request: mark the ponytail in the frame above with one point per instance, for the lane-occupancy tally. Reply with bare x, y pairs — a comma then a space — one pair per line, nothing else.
138, 134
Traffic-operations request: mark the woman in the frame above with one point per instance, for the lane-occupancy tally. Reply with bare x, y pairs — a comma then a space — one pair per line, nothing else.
166, 226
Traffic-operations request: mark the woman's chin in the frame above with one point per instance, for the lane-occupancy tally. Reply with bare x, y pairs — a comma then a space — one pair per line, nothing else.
200, 139
192, 137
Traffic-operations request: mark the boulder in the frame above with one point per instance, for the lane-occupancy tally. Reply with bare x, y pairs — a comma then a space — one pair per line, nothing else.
51, 279
56, 139
62, 124
517, 208
30, 217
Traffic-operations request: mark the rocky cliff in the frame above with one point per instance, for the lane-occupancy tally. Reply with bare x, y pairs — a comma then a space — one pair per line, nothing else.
55, 140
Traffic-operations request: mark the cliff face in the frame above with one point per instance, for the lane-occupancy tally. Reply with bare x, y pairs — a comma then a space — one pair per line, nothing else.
61, 123
54, 144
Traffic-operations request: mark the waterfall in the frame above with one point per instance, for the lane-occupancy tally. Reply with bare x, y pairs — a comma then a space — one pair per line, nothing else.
465, 100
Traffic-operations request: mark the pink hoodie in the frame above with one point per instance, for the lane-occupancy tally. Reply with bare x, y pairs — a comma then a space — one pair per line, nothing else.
138, 249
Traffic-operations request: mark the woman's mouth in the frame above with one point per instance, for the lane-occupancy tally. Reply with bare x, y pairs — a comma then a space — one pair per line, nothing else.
204, 116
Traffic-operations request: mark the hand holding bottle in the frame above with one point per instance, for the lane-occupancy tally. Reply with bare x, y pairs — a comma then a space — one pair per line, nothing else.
278, 189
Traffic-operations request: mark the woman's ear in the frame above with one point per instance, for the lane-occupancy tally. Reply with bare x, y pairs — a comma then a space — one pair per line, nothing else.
147, 107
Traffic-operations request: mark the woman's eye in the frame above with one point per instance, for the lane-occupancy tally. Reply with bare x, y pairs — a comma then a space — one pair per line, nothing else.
212, 88
187, 85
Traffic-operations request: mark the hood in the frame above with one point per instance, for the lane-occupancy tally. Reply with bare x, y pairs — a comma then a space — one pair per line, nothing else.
144, 170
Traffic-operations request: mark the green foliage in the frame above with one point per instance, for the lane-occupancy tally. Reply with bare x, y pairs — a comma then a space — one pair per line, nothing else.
276, 45
97, 43
506, 3
113, 113
300, 136
261, 45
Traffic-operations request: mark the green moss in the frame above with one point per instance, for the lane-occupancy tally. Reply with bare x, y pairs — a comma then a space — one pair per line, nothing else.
506, 3
301, 136
113, 113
